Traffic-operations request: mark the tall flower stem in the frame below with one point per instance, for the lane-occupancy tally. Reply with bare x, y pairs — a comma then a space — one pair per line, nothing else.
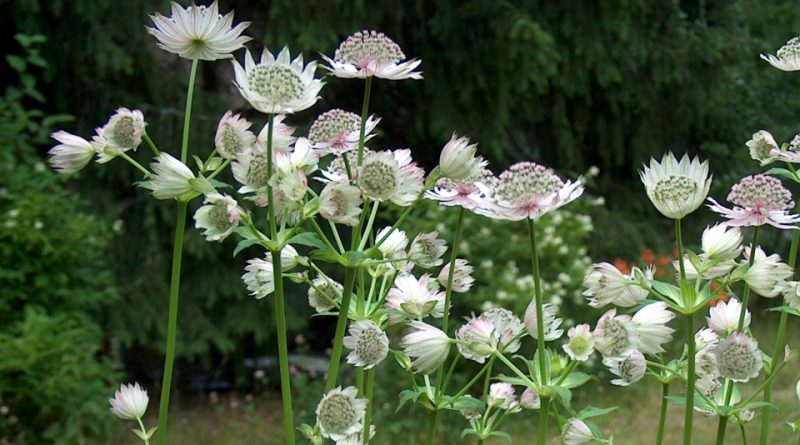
540, 348
364, 111
776, 351
431, 430
662, 418
341, 326
175, 276
688, 417
370, 403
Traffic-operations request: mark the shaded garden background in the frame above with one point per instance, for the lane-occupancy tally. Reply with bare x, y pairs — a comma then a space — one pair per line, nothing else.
573, 84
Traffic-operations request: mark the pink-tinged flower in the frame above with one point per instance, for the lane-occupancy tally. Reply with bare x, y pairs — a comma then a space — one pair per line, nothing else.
629, 369
338, 131
758, 200
371, 53
340, 203
427, 249
129, 402
121, 133
71, 154
763, 147
651, 327
233, 135
282, 135
462, 276
738, 357
430, 347
615, 336
676, 188
724, 317
787, 57
551, 324
412, 298
171, 179
470, 194
578, 433
501, 395
605, 284
218, 218
391, 176
527, 191
530, 399
368, 343
198, 32
767, 274
497, 329
458, 161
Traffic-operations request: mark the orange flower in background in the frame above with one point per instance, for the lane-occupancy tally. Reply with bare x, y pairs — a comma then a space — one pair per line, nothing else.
648, 257
722, 294
622, 265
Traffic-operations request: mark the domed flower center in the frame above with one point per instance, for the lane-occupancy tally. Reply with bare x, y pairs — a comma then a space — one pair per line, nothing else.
365, 47
232, 141
332, 126
257, 174
370, 345
219, 217
674, 188
790, 50
123, 132
761, 193
525, 182
736, 359
627, 369
278, 84
616, 339
336, 413
794, 146
378, 177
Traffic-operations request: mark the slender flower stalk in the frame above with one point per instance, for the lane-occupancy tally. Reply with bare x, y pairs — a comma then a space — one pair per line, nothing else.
364, 112
690, 374
662, 418
540, 349
341, 327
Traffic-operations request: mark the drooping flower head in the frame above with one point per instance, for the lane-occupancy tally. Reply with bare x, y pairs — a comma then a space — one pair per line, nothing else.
233, 135
462, 276
501, 395
791, 294
496, 329
724, 317
758, 200
738, 357
71, 154
581, 343
721, 243
651, 327
605, 284
787, 57
413, 298
218, 218
324, 294
458, 161
551, 322
577, 432
121, 133
767, 274
763, 147
282, 135
428, 345
615, 335
530, 399
676, 188
527, 190
277, 84
198, 32
368, 343
171, 179
129, 402
629, 369
341, 413
338, 131
259, 278
371, 53
340, 203
427, 249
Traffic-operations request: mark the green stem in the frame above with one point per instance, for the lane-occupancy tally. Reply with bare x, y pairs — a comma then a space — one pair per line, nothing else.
138, 166
370, 222
188, 114
744, 434
721, 427
543, 414
449, 374
451, 273
516, 370
679, 241
364, 111
341, 326
662, 418
431, 431
474, 379
150, 143
219, 170
144, 430
537, 284
690, 382
487, 380
273, 230
399, 222
283, 349
370, 403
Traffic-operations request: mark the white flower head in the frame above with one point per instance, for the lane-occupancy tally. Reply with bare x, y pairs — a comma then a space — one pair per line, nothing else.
615, 336
501, 395
219, 217
787, 57
340, 203
338, 131
390, 176
198, 32
324, 294
477, 339
651, 327
551, 322
71, 154
758, 200
412, 298
630, 369
341, 413
581, 343
763, 148
282, 135
395, 244
605, 284
129, 402
738, 357
767, 274
462, 276
705, 338
791, 294
470, 193
427, 249
675, 188
259, 278
277, 84
722, 242
530, 399
233, 135
250, 170
458, 161
724, 317
371, 53
368, 343
578, 433
171, 178
430, 347
121, 133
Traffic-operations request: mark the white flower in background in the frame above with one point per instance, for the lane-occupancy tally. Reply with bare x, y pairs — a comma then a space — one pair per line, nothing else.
340, 203
763, 147
551, 322
429, 345
341, 413
578, 433
427, 249
338, 131
507, 327
675, 188
721, 242
171, 179
282, 135
324, 294
738, 357
71, 154
527, 190
219, 217
477, 339
233, 135
462, 276
705, 363
705, 338
468, 193
357, 438
605, 284
371, 53
395, 244
458, 161
758, 200
413, 298
792, 152
259, 278
198, 32
129, 402
791, 294
615, 336
787, 57
501, 395
724, 317
708, 386
250, 170
277, 84
121, 133
368, 343
530, 399
630, 369
651, 327
581, 343
767, 274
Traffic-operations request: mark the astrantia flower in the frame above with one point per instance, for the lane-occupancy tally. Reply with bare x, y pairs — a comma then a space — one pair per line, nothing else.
340, 203
721, 242
412, 298
501, 395
763, 147
277, 84
390, 176
340, 413
250, 170
766, 275
394, 245
260, 278
551, 323
129, 402
615, 335
527, 190
581, 343
651, 327
121, 133
458, 161
724, 317
605, 284
462, 276
705, 338
368, 343
496, 329
171, 179
282, 135
578, 433
338, 131
218, 218
675, 188
787, 57
629, 369
323, 293
233, 135
530, 399
198, 32
758, 200
371, 53
429, 345
738, 357
791, 294
469, 193
71, 154
427, 249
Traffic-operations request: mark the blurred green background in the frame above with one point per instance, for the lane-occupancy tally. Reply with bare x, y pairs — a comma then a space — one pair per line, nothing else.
573, 84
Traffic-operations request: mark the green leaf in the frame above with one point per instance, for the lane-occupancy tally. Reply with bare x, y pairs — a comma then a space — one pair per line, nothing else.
782, 172
591, 411
575, 379
502, 434
465, 402
244, 244
788, 309
562, 393
309, 239
669, 292
409, 395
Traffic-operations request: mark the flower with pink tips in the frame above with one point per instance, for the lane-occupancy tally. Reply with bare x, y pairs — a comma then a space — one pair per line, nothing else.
758, 200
